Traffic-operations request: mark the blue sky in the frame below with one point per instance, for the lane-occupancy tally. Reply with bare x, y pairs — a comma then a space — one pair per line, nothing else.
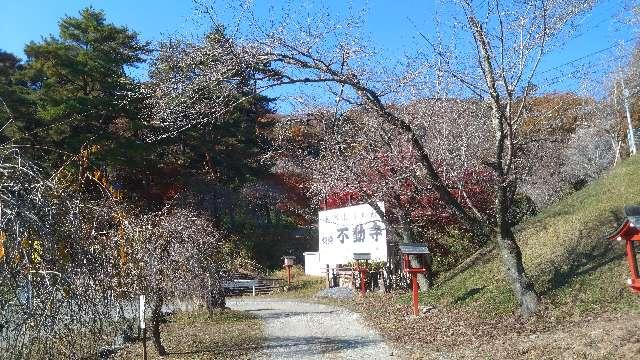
393, 24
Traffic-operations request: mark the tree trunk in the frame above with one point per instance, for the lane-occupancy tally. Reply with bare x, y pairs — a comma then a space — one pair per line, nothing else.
408, 237
512, 259
216, 297
156, 319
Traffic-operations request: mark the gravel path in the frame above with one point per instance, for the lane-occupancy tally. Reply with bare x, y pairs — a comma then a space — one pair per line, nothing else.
298, 330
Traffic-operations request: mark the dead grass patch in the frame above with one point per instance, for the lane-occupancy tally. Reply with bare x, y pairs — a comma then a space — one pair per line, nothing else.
227, 334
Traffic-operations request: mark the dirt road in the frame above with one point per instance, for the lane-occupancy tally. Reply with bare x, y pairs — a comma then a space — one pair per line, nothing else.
298, 330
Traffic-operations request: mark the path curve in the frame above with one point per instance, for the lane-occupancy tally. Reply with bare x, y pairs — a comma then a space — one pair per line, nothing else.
308, 331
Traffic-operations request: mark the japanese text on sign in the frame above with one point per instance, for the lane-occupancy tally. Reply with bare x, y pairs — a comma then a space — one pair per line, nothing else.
348, 230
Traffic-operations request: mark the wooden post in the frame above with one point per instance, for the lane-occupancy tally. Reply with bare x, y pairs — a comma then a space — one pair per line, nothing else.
144, 328
144, 344
414, 284
328, 277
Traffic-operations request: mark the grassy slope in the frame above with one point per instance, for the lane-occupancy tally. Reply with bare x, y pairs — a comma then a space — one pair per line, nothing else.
573, 267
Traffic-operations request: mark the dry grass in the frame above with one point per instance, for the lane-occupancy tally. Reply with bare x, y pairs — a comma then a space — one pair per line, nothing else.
226, 335
574, 268
586, 311
302, 286
461, 333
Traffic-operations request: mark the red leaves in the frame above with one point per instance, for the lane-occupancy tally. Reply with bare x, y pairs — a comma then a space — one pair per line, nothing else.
472, 188
342, 199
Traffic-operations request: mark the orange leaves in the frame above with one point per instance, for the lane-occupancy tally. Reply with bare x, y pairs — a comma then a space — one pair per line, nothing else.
3, 237
554, 113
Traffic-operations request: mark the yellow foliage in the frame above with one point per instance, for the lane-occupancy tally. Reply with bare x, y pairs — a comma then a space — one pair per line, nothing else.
100, 177
3, 237
297, 132
34, 247
116, 194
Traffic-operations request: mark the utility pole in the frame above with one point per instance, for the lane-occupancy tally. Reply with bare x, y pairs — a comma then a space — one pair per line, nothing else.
630, 137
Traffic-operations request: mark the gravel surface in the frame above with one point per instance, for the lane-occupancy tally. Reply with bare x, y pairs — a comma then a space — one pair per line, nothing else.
336, 293
298, 330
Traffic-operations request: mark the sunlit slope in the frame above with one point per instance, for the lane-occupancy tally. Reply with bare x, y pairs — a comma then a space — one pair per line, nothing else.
574, 268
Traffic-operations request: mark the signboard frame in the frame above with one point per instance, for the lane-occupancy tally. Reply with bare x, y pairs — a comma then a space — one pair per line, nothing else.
345, 231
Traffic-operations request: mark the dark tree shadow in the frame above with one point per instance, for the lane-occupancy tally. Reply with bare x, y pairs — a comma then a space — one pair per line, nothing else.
468, 294
581, 259
293, 346
272, 314
299, 346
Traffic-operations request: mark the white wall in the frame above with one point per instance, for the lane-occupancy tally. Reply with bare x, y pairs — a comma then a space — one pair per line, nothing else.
312, 264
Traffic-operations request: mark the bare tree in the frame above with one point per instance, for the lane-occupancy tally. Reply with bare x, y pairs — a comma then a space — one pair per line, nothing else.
58, 273
182, 255
506, 42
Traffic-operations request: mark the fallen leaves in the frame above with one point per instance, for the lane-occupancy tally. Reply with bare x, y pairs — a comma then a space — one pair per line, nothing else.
455, 332
227, 334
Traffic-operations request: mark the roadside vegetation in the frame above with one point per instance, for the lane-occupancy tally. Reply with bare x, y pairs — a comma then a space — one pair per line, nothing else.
577, 270
225, 334
302, 286
172, 184
587, 310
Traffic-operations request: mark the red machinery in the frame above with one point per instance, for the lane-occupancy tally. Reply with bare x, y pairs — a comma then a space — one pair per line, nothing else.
362, 269
629, 231
422, 252
288, 263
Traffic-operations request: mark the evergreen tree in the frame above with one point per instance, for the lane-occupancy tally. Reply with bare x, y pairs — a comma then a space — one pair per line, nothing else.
17, 110
85, 98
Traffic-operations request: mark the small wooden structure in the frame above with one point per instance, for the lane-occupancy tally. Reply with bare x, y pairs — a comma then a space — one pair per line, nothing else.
362, 268
422, 252
288, 263
629, 231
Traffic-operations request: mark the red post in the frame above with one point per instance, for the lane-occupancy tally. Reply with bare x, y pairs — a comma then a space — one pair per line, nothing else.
630, 233
289, 274
416, 250
631, 258
363, 289
414, 284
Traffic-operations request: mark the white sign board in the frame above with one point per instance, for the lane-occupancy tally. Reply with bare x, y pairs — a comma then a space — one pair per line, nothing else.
348, 230
141, 315
312, 263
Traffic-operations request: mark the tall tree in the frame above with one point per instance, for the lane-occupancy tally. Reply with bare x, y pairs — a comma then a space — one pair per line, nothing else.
17, 109
80, 83
505, 46
185, 93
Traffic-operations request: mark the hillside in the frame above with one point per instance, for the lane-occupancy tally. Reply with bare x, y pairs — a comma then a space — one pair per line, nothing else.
574, 268
587, 311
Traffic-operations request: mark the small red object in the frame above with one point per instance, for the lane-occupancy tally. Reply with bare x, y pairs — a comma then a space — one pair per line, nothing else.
363, 276
406, 267
363, 270
629, 231
288, 274
288, 263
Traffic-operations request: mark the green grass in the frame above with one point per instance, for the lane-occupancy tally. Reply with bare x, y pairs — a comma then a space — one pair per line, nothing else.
302, 286
574, 268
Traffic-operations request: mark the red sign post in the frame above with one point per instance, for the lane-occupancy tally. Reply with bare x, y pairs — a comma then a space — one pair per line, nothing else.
421, 251
629, 231
288, 263
362, 269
